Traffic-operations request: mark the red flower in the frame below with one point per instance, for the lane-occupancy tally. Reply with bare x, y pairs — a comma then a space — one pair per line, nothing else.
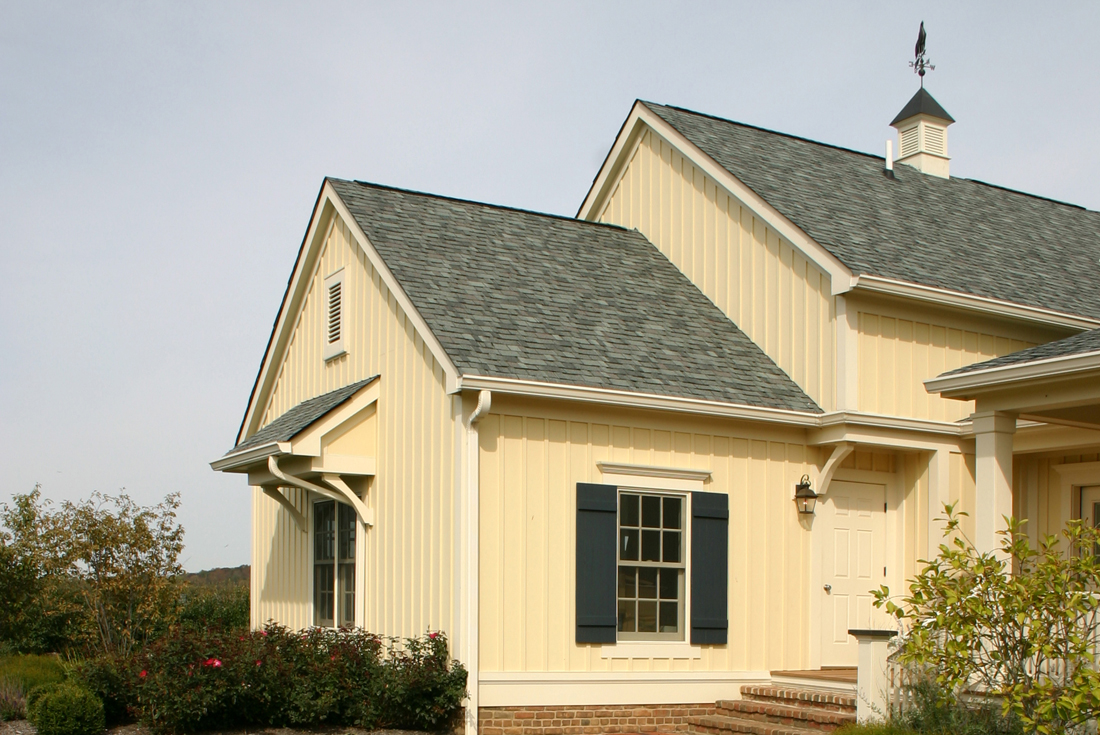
263, 632
433, 636
143, 674
212, 662
259, 662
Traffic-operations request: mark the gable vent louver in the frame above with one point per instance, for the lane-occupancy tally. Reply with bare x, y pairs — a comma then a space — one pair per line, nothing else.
332, 318
334, 312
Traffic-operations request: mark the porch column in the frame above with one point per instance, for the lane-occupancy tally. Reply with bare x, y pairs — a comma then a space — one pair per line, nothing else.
993, 432
939, 492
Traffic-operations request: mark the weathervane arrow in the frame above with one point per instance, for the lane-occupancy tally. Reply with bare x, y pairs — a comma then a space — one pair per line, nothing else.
921, 64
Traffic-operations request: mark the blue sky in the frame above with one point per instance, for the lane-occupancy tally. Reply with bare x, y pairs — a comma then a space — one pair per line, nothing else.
158, 164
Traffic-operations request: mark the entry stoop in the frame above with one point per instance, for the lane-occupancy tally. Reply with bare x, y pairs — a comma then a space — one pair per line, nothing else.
773, 710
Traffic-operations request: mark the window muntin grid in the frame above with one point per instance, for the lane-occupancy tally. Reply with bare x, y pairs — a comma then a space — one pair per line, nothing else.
333, 564
650, 594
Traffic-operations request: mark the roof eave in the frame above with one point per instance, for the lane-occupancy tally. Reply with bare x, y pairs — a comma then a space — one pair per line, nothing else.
994, 307
964, 386
631, 399
240, 461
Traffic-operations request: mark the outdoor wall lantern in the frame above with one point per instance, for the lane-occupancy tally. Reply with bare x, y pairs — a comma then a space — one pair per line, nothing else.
804, 496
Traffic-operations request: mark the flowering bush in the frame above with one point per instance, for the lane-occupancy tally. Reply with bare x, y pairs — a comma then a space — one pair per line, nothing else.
203, 680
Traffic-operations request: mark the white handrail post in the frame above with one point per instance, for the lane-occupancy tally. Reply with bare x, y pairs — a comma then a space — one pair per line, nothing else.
872, 678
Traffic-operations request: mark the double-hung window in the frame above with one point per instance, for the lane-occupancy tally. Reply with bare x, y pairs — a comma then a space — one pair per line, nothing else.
651, 566
333, 564
641, 554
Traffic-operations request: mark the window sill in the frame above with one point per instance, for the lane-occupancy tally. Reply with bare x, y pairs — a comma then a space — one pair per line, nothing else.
651, 649
339, 353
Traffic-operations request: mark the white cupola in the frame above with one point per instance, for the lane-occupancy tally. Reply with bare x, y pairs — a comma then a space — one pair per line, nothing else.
922, 135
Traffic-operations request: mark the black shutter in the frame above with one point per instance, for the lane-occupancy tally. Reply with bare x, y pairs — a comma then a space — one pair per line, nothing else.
709, 567
596, 562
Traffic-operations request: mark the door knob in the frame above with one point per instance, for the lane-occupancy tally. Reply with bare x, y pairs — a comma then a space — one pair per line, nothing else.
828, 588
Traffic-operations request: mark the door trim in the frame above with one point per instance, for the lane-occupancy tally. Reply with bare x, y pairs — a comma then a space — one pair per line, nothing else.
894, 548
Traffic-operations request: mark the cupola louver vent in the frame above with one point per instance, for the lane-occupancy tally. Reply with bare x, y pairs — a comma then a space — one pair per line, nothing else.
332, 319
922, 135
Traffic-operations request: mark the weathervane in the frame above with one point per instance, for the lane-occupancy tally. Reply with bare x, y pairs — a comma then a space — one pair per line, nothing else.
921, 64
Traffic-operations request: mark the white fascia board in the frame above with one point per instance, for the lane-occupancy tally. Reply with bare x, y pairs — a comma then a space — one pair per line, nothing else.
240, 461
898, 432
403, 299
970, 302
608, 396
840, 277
883, 421
308, 441
1063, 366
290, 308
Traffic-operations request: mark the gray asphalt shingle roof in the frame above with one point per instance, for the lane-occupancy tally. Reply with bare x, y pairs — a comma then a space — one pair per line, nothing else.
1076, 345
516, 294
955, 234
299, 418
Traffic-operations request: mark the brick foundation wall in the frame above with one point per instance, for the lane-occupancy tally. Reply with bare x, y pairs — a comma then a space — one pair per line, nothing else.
588, 720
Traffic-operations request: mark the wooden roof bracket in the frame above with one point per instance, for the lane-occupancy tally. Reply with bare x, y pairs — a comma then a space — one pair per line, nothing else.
841, 450
342, 493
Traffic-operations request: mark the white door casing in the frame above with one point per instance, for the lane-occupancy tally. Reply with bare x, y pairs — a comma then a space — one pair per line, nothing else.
852, 522
1090, 505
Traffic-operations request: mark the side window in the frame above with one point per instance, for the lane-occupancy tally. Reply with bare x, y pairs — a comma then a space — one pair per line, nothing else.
333, 564
632, 574
651, 567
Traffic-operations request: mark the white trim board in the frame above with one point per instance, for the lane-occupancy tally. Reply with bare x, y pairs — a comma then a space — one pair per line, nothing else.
840, 276
519, 689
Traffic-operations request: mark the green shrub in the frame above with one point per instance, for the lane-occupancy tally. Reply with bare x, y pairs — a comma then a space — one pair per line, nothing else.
112, 679
1020, 624
876, 728
215, 606
67, 709
933, 710
37, 694
195, 680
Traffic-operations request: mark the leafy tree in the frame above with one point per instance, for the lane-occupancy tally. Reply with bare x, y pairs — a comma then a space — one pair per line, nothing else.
101, 574
1022, 624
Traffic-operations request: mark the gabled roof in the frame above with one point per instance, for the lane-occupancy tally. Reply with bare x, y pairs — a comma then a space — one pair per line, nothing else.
954, 234
1078, 344
516, 294
302, 416
922, 103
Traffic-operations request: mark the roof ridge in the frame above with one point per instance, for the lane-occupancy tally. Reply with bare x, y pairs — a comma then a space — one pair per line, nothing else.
486, 205
861, 153
767, 130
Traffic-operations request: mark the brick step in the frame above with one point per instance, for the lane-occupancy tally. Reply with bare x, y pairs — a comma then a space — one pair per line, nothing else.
783, 714
722, 725
818, 699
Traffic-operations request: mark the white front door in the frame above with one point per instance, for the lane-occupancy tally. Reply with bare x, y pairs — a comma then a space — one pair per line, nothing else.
853, 564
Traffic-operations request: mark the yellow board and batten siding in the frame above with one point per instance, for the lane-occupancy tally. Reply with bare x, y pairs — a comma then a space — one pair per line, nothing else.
767, 287
531, 459
897, 355
408, 556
